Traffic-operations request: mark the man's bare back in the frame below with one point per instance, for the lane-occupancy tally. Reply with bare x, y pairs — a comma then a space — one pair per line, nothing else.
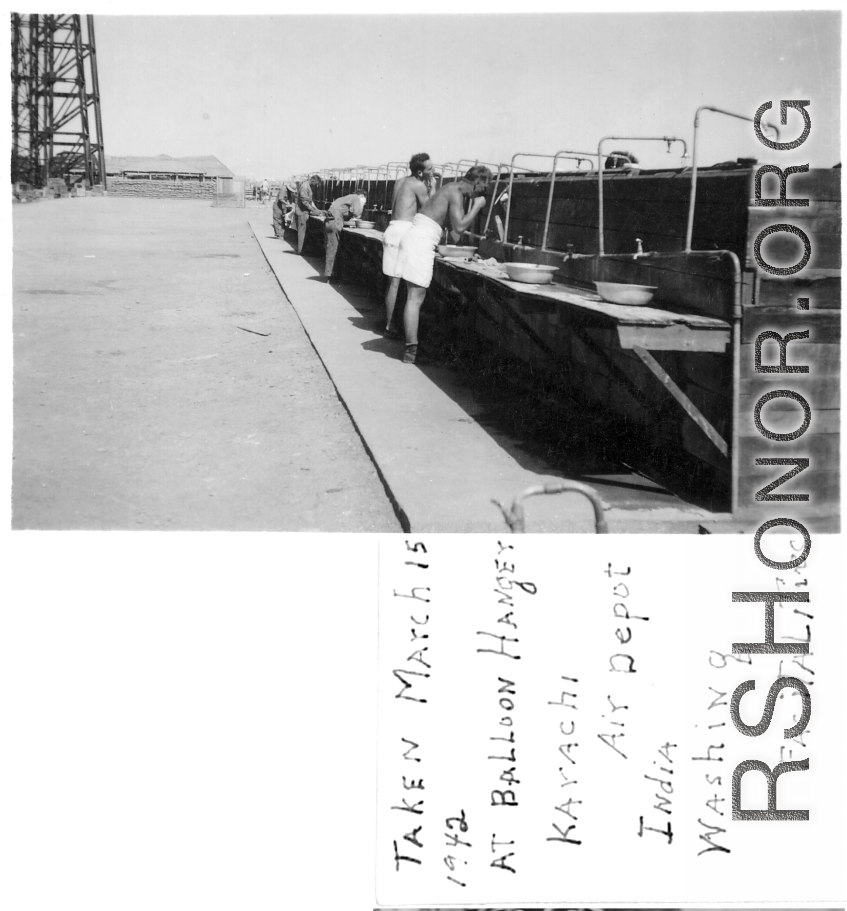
445, 200
450, 201
410, 195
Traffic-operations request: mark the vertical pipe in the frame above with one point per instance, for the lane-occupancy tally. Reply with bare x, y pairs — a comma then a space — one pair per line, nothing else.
491, 207
689, 230
509, 198
549, 203
552, 182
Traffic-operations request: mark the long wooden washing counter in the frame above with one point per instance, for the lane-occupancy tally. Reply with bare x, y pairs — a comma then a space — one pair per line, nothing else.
663, 381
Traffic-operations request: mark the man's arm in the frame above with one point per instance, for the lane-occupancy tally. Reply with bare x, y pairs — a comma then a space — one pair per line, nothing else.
422, 194
306, 199
458, 221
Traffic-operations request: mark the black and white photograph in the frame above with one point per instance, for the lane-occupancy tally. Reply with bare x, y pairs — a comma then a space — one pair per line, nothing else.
209, 261
423, 448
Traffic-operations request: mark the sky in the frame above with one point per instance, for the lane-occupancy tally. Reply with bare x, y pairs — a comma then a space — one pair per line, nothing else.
277, 95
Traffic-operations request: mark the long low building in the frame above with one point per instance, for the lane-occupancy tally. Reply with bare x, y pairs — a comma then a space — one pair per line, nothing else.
163, 176
166, 167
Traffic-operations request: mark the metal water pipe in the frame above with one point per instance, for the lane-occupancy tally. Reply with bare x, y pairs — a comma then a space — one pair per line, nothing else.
565, 153
493, 198
511, 182
600, 168
689, 231
515, 516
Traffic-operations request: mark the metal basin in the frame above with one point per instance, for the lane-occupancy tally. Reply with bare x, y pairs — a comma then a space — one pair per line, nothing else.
632, 295
454, 251
361, 223
532, 273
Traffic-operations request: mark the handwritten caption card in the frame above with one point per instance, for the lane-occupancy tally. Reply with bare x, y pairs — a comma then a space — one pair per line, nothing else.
555, 723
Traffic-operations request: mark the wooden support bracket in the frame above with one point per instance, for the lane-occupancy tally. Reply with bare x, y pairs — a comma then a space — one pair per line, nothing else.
687, 405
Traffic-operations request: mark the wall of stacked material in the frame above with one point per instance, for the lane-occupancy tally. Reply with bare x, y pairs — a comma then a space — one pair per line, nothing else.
162, 189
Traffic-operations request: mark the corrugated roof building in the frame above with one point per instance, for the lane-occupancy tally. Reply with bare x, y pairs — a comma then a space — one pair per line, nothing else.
191, 167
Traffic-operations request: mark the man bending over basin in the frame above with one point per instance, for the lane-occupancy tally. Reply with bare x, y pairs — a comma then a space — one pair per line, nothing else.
417, 248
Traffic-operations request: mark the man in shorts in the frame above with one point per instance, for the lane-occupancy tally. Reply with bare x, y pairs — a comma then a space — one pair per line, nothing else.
410, 195
417, 248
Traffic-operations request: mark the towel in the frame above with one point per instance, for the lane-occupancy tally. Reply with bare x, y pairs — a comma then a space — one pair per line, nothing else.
392, 264
417, 250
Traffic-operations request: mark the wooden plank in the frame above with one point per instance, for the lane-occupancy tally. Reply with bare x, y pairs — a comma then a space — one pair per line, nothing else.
589, 302
716, 407
821, 359
785, 416
819, 392
710, 372
816, 185
824, 325
824, 292
673, 338
824, 448
782, 249
653, 207
687, 405
823, 488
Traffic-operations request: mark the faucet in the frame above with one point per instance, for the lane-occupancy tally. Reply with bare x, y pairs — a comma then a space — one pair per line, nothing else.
640, 249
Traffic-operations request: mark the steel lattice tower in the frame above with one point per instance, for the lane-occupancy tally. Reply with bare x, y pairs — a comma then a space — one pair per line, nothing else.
56, 125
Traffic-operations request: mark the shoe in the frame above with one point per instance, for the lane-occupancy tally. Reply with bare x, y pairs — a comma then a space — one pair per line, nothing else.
392, 333
410, 354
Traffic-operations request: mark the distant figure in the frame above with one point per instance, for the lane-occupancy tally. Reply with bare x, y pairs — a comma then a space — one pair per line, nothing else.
410, 195
266, 189
304, 207
289, 193
619, 160
417, 248
254, 192
341, 211
280, 208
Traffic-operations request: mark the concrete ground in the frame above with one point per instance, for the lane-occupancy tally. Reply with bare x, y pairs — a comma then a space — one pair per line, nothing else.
163, 381
442, 458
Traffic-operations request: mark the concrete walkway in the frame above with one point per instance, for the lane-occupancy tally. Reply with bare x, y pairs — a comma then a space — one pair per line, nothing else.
441, 467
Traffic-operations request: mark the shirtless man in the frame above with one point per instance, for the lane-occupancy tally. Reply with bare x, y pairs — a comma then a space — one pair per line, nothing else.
410, 195
417, 249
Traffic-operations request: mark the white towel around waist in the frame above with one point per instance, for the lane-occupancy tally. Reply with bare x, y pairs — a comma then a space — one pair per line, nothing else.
417, 250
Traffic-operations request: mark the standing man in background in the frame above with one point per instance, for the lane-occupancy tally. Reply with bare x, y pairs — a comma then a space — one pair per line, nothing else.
280, 207
341, 211
410, 195
304, 207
